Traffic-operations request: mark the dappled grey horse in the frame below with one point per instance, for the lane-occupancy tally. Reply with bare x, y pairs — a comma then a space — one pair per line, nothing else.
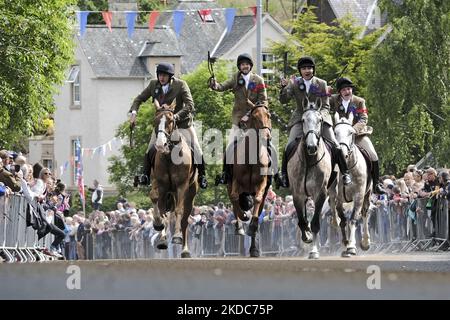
358, 192
309, 170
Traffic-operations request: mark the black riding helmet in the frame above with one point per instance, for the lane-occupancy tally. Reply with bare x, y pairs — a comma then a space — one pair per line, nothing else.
342, 83
166, 68
306, 62
244, 57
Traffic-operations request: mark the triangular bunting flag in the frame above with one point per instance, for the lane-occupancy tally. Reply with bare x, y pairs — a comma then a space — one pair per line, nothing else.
152, 17
107, 16
178, 19
254, 10
131, 19
230, 13
82, 21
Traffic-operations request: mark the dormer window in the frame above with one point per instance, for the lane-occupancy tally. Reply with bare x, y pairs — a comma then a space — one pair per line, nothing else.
74, 80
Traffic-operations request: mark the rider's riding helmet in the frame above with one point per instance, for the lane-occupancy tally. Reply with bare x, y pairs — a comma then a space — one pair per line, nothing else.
306, 62
245, 57
166, 68
342, 83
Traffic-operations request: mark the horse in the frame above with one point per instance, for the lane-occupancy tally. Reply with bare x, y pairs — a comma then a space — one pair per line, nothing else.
358, 192
249, 184
309, 170
174, 183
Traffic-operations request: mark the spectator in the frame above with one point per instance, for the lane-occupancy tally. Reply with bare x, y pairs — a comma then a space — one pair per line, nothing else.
97, 195
11, 180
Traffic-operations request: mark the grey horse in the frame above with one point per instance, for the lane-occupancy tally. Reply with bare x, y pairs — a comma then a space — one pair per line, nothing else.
309, 170
358, 192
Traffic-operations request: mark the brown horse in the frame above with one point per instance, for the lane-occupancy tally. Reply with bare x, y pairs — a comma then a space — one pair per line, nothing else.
248, 187
174, 183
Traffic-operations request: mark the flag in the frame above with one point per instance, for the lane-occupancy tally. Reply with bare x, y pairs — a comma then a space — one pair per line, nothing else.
255, 11
178, 19
131, 19
82, 20
230, 13
153, 16
79, 171
107, 16
204, 13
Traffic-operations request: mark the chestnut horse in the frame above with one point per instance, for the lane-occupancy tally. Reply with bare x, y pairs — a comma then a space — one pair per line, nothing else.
249, 184
174, 179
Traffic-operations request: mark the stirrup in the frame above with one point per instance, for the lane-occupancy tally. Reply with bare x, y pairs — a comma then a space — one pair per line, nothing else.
203, 182
144, 180
346, 179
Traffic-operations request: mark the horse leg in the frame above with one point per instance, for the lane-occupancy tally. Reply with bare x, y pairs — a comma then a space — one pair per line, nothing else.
254, 245
365, 242
315, 225
177, 237
356, 213
160, 223
302, 221
257, 208
332, 193
234, 198
188, 205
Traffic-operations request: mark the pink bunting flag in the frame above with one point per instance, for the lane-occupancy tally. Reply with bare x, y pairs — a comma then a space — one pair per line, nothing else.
152, 17
107, 16
254, 10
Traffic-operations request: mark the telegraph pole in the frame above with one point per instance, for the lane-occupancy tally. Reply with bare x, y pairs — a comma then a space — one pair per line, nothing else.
258, 36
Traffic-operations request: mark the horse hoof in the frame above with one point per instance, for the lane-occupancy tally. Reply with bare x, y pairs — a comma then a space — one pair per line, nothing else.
313, 255
158, 227
254, 253
345, 254
364, 246
177, 240
239, 232
185, 254
307, 237
162, 245
351, 251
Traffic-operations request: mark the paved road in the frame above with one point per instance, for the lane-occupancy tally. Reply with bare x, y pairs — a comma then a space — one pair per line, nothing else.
412, 276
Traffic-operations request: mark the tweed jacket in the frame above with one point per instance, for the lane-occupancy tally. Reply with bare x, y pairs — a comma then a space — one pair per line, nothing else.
179, 90
245, 98
317, 91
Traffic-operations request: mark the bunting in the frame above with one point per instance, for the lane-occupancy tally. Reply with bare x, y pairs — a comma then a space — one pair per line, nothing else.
82, 21
178, 19
107, 17
152, 17
255, 11
230, 13
131, 20
79, 172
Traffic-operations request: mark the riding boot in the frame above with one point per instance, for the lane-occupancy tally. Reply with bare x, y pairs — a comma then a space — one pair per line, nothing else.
202, 181
282, 180
342, 164
225, 176
148, 162
377, 187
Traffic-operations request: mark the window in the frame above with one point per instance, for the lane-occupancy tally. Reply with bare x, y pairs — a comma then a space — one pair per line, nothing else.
48, 163
267, 68
74, 80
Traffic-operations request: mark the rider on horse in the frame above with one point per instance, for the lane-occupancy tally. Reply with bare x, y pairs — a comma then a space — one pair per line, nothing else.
249, 90
165, 89
344, 103
309, 87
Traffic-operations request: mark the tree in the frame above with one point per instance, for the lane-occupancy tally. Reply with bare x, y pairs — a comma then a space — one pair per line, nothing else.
408, 84
36, 47
213, 110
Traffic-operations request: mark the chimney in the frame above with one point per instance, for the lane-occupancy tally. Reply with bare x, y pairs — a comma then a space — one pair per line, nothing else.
119, 19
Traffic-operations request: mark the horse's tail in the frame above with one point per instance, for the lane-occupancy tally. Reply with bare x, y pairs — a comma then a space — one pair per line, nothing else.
245, 201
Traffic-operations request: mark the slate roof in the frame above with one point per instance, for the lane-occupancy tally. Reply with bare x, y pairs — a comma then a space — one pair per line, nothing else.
242, 25
113, 54
359, 9
195, 44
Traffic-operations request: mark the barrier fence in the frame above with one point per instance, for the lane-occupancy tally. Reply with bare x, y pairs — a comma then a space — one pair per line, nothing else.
405, 227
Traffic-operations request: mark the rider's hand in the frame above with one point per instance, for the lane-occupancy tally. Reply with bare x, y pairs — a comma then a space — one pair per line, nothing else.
284, 82
213, 84
244, 118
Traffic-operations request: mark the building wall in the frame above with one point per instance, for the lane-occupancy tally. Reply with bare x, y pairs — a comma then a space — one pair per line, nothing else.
152, 62
41, 149
104, 105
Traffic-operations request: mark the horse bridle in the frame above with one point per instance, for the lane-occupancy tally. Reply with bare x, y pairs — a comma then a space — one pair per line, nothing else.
168, 135
315, 132
349, 147
250, 112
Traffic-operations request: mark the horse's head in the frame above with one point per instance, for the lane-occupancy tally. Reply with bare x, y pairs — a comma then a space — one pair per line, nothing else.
312, 128
260, 120
165, 124
345, 133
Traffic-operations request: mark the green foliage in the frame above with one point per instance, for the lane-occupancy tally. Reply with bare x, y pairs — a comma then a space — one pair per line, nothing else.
408, 86
35, 49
